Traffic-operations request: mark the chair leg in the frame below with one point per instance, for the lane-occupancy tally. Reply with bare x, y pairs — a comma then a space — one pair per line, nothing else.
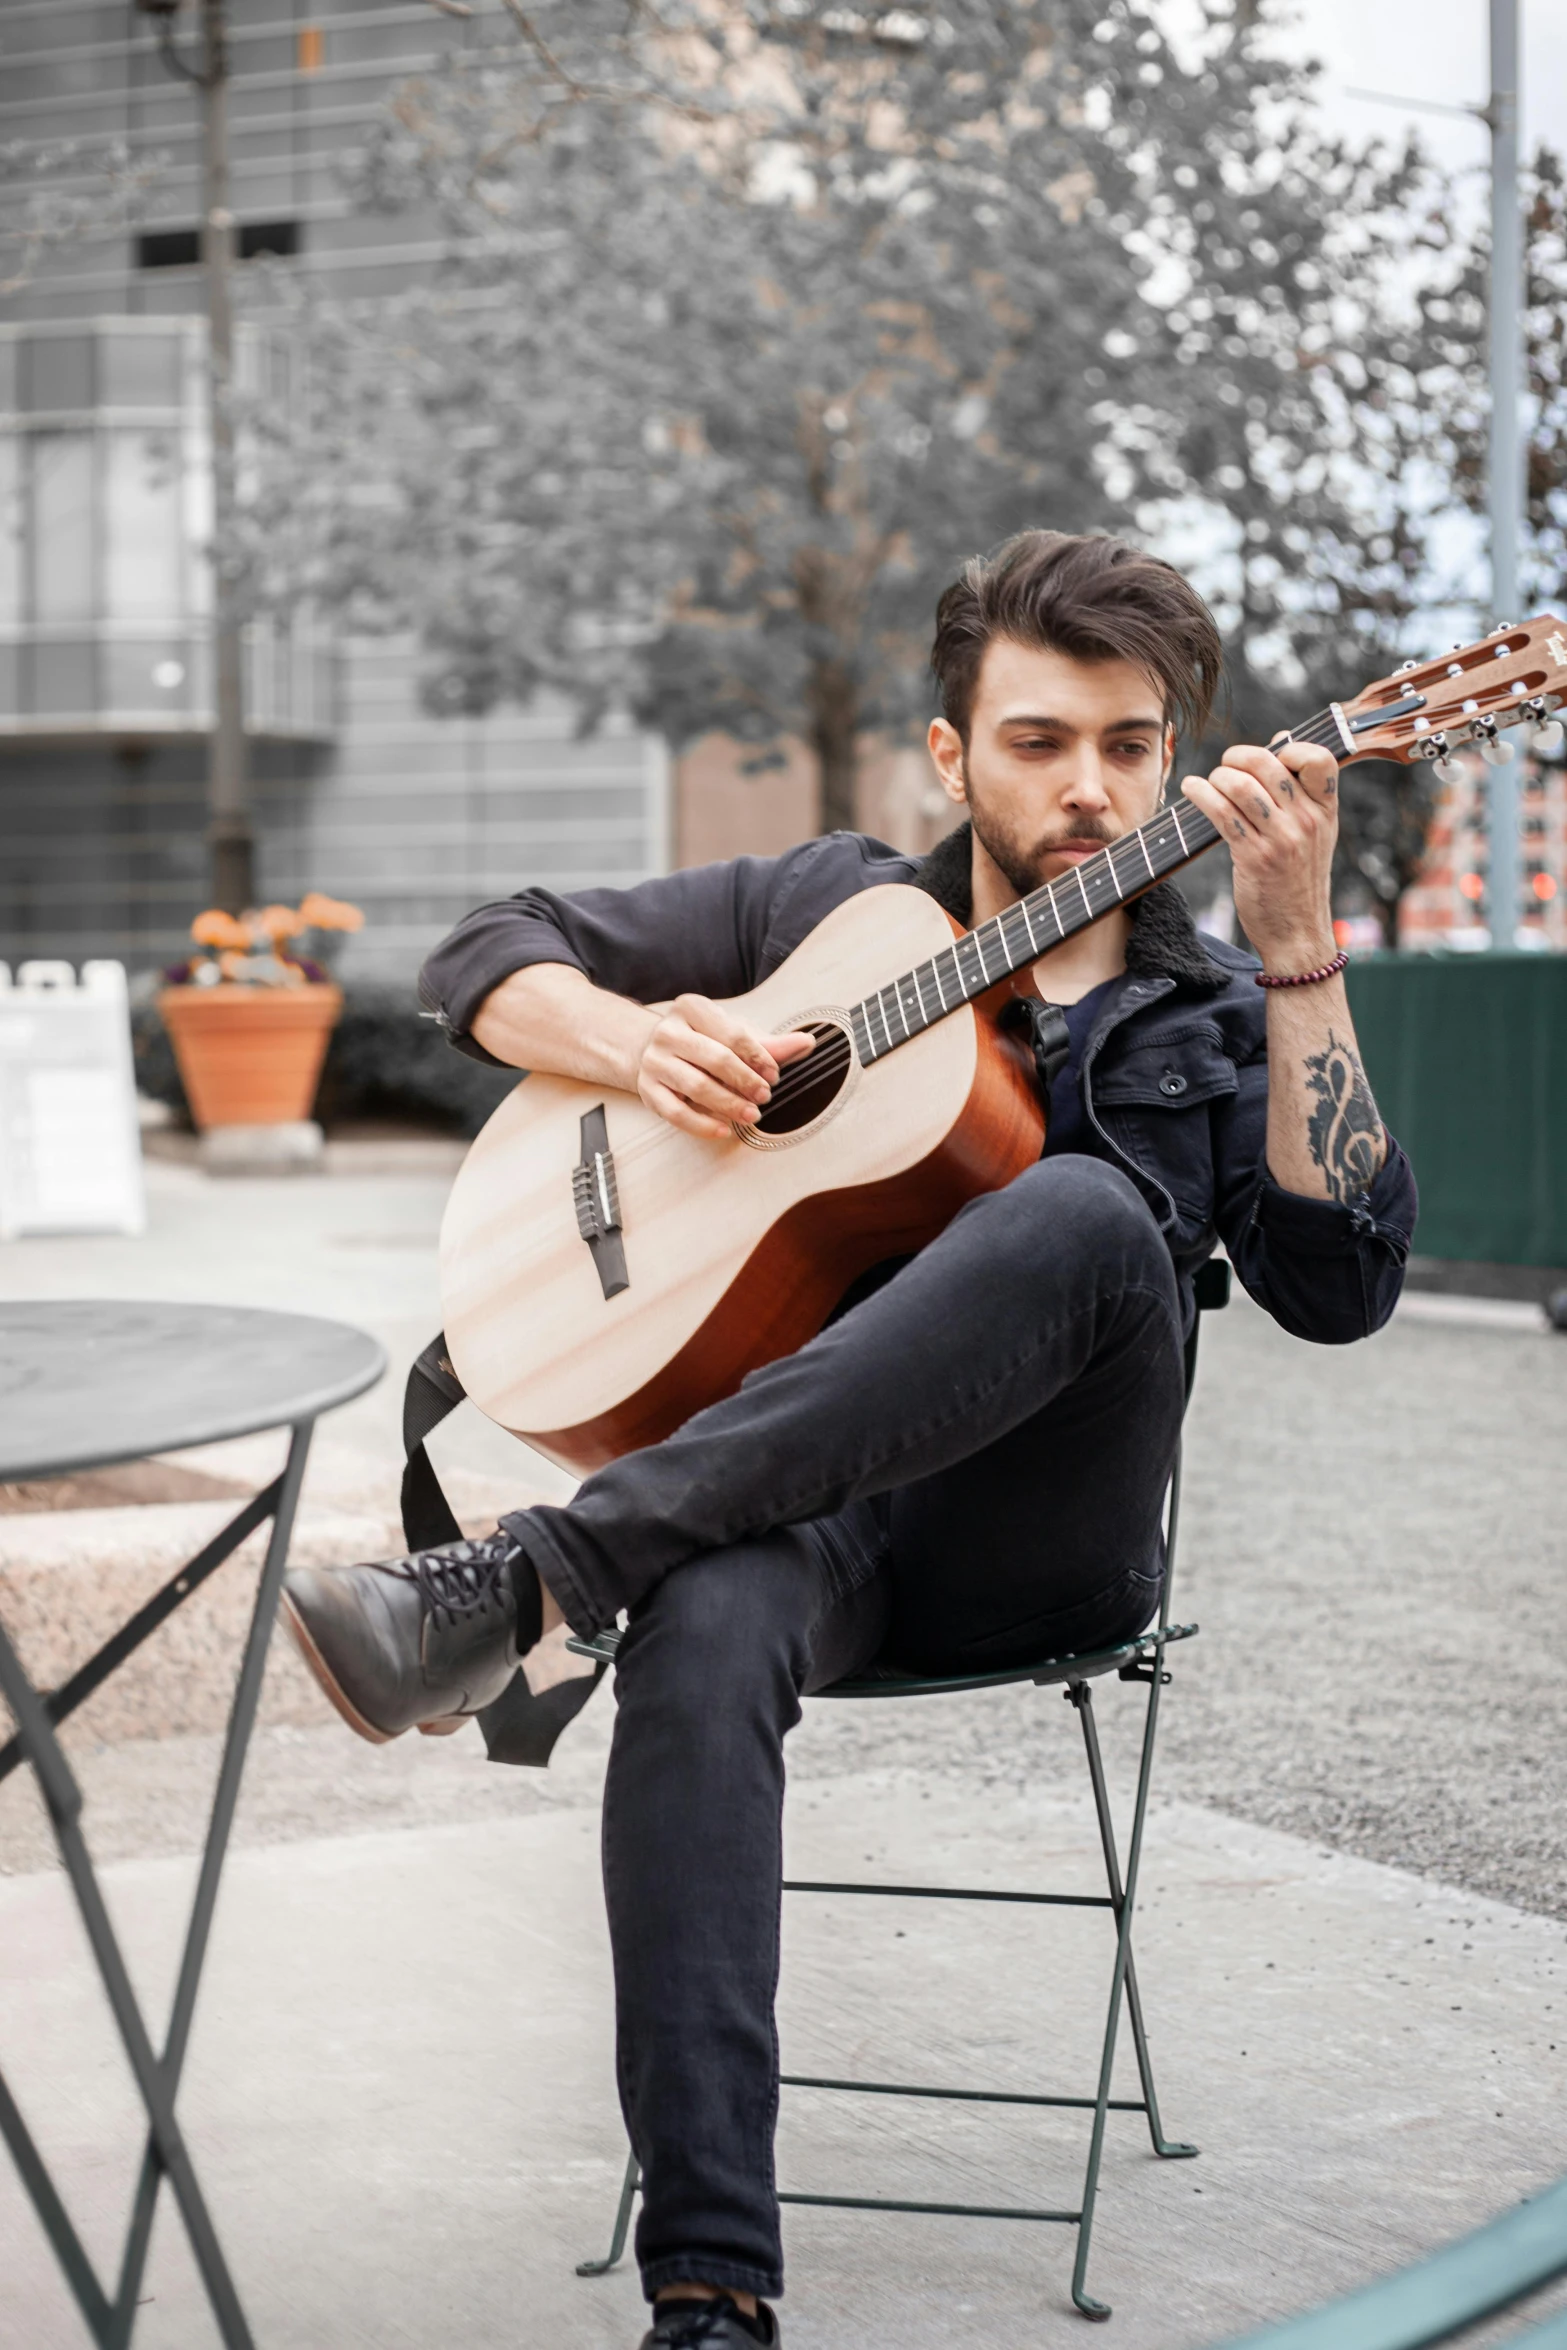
1125, 1900
1168, 2149
617, 2242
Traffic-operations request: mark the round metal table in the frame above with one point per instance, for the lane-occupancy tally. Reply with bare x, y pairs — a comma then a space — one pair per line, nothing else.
85, 1384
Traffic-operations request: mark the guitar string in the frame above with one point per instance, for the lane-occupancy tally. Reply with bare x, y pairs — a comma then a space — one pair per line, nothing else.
819, 1067
1090, 876
1322, 730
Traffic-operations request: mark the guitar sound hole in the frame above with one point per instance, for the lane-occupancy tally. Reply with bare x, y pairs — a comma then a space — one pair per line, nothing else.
806, 1088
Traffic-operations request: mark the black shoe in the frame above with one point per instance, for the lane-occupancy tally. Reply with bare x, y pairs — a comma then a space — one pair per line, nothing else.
422, 1641
711, 2325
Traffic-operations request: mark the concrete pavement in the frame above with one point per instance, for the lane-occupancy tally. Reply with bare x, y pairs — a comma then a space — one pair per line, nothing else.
400, 2086
401, 2090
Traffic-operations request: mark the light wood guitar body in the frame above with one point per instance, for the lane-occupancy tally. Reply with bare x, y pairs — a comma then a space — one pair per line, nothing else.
735, 1252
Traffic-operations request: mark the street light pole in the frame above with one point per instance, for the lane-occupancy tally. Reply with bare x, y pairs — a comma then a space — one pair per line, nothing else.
230, 841
230, 845
1506, 483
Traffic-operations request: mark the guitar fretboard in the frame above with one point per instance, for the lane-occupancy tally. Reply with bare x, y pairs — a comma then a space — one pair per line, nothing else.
1031, 926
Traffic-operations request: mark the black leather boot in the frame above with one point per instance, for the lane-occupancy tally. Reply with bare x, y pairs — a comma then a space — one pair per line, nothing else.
711, 2325
422, 1641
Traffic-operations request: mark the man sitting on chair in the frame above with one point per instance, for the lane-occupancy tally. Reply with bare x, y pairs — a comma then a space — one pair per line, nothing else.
966, 1469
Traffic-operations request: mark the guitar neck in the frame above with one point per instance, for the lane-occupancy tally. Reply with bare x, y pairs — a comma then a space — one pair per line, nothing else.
1031, 926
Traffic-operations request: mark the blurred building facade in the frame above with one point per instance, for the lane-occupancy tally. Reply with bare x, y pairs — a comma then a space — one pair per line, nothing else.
1449, 905
104, 503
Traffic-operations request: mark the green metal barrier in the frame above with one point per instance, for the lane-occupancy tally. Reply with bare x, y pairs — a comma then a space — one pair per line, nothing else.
1467, 1055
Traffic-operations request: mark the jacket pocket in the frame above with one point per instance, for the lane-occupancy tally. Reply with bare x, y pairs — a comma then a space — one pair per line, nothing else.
1153, 1102
1174, 1070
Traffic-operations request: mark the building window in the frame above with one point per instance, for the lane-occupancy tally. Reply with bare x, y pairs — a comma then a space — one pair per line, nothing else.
141, 371
104, 586
279, 238
144, 566
13, 599
62, 531
57, 373
180, 248
168, 248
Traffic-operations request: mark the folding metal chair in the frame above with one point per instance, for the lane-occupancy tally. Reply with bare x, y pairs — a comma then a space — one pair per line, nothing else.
1141, 1660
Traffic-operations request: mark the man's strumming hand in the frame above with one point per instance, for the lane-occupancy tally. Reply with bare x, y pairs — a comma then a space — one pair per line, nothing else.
706, 1071
692, 1061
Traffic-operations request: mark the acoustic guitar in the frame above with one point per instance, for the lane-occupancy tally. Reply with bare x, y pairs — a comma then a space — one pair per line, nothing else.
605, 1275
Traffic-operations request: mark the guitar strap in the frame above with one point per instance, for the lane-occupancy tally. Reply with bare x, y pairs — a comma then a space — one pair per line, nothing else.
519, 1727
1047, 1031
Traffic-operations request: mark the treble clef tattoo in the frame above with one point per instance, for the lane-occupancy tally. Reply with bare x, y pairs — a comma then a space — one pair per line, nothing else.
1344, 1132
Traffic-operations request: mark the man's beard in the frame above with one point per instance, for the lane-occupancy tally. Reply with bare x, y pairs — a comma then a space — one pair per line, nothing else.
1022, 862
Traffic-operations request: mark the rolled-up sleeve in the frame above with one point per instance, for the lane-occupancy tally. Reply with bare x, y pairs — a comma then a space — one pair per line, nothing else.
700, 929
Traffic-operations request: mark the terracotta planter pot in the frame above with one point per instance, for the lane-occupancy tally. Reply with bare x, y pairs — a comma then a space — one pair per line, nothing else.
250, 1056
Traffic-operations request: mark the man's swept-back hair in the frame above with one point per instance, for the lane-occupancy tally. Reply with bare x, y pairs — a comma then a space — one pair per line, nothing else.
1094, 598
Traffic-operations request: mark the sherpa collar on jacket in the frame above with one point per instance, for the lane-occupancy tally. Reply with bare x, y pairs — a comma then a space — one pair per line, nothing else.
1164, 939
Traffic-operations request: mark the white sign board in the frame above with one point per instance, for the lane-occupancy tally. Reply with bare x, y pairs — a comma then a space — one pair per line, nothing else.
70, 1149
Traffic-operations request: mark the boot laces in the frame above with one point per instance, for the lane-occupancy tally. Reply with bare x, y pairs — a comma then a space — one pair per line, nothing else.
697, 2324
461, 1578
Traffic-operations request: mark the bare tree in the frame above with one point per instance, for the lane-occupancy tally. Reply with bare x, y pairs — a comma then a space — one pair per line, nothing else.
759, 320
47, 214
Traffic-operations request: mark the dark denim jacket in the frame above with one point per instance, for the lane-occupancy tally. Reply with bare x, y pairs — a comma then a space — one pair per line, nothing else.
1175, 1076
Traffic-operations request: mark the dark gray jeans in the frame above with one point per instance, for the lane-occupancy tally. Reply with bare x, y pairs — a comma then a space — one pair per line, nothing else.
966, 1470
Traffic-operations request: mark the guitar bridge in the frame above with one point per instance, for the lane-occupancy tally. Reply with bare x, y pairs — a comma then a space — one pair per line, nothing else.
595, 1197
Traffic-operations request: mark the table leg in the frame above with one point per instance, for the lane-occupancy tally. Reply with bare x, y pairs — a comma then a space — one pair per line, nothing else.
247, 1694
165, 2155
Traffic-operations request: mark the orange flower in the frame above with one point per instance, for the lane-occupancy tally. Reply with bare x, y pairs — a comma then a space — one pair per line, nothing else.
318, 912
277, 922
217, 929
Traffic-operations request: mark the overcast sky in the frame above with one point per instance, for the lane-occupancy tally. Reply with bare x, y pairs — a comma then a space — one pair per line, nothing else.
1437, 50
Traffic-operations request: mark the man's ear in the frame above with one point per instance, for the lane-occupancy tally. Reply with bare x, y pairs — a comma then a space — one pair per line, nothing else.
945, 745
1169, 760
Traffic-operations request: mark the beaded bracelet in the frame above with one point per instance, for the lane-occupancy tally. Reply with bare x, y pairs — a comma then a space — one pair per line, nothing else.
1303, 978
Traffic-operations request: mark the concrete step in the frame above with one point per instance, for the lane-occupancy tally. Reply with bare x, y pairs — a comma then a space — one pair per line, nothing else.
70, 1577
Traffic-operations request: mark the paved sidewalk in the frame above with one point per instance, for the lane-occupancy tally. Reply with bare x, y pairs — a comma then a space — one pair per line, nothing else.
401, 2089
401, 2083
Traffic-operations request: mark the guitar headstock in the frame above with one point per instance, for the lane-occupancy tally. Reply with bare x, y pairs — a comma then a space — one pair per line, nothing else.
1428, 708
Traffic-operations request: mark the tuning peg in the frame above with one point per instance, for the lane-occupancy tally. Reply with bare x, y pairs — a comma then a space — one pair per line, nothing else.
1496, 754
1549, 739
1447, 771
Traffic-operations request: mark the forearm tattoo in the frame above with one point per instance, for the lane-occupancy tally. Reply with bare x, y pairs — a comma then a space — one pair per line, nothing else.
1344, 1133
